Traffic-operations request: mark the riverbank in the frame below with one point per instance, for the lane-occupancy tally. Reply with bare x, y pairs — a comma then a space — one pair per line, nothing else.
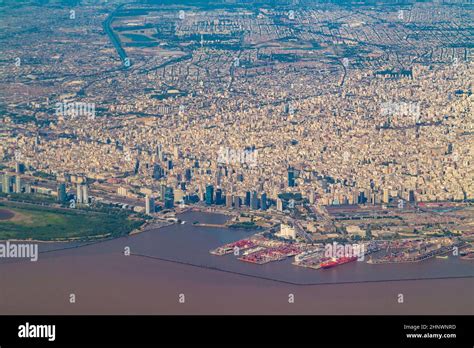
34, 222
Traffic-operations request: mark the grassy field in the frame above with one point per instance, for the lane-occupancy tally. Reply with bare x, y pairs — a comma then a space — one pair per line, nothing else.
44, 223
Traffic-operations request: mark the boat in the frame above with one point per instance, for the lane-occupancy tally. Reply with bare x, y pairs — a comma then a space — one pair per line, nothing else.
442, 256
251, 251
306, 255
336, 262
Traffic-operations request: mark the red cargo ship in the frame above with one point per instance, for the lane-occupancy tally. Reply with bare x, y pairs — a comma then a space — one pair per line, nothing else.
337, 262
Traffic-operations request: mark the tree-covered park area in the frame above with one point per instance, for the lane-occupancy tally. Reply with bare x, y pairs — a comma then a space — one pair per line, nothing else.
28, 221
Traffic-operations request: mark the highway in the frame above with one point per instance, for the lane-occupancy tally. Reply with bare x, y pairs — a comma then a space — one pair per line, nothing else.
114, 38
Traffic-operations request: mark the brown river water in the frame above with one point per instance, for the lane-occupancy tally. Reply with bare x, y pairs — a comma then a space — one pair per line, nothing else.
176, 261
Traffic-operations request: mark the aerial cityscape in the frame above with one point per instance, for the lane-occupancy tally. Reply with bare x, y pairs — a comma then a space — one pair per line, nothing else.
295, 150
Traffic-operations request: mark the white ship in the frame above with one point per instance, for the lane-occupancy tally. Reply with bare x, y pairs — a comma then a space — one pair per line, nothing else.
306, 255
251, 251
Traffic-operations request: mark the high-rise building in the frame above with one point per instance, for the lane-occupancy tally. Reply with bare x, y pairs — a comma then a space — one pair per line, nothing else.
311, 197
247, 198
254, 201
163, 193
345, 200
188, 174
85, 194
219, 176
176, 152
237, 202
79, 194
159, 152
287, 232
219, 199
361, 199
350, 199
19, 168
169, 198
228, 201
137, 167
291, 177
279, 204
17, 184
263, 201
209, 194
385, 197
158, 172
6, 183
179, 196
149, 205
355, 197
62, 196
201, 193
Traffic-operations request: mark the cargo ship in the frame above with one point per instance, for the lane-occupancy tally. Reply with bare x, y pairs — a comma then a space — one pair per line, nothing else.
336, 262
467, 254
